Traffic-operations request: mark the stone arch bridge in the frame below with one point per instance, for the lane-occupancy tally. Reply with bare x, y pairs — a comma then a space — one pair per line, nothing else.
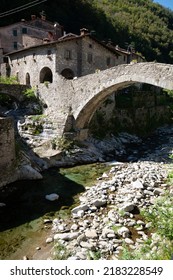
79, 98
84, 95
90, 91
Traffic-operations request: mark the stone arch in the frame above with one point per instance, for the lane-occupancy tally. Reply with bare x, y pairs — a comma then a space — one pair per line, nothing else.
91, 90
67, 73
28, 79
46, 75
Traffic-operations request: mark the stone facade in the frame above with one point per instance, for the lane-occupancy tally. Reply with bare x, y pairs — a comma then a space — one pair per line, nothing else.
13, 37
7, 151
69, 57
15, 91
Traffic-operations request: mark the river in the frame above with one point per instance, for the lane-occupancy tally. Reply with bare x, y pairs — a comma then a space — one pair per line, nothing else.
23, 229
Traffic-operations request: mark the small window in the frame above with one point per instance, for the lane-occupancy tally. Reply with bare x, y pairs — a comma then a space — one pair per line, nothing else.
108, 61
124, 58
15, 45
24, 30
90, 58
15, 32
90, 46
67, 54
49, 52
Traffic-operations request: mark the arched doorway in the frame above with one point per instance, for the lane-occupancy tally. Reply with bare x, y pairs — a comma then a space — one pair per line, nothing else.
27, 79
46, 75
68, 74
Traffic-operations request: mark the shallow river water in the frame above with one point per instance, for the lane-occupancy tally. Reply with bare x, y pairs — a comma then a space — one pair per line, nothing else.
22, 227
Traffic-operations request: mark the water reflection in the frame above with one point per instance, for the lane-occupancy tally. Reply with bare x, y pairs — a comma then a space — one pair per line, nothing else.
26, 201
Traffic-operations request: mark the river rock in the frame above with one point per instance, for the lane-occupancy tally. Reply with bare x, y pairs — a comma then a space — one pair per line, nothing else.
128, 207
99, 202
83, 207
52, 196
27, 172
123, 231
66, 236
74, 227
87, 245
49, 240
128, 241
158, 191
91, 233
107, 231
137, 184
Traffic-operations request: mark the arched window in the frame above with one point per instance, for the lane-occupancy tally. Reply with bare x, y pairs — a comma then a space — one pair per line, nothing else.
67, 73
27, 79
46, 75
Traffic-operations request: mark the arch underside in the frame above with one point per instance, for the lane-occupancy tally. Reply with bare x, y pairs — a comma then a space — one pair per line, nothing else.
85, 114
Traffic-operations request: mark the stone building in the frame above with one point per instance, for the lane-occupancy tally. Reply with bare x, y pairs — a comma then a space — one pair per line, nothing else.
70, 56
24, 34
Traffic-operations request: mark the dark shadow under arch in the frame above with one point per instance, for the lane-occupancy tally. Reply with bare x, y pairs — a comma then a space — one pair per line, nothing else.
67, 73
46, 75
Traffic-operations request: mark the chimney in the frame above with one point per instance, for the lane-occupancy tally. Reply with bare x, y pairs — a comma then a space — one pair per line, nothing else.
43, 15
33, 17
84, 31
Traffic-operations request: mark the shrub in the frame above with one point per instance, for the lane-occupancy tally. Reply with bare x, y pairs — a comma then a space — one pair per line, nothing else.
30, 94
62, 143
161, 216
8, 80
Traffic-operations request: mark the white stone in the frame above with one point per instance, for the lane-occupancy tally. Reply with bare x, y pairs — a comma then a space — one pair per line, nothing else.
87, 245
112, 188
52, 196
74, 227
98, 202
91, 233
158, 191
128, 241
66, 236
105, 175
123, 231
80, 213
83, 207
137, 184
148, 225
140, 222
49, 240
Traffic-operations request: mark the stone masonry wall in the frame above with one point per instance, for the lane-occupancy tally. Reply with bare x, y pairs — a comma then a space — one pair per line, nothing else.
7, 151
15, 91
136, 112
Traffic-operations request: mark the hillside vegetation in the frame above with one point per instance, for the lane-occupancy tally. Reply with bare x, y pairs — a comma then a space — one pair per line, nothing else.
142, 24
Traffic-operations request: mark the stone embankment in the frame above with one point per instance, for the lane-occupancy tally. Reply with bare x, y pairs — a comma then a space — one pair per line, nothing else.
108, 215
